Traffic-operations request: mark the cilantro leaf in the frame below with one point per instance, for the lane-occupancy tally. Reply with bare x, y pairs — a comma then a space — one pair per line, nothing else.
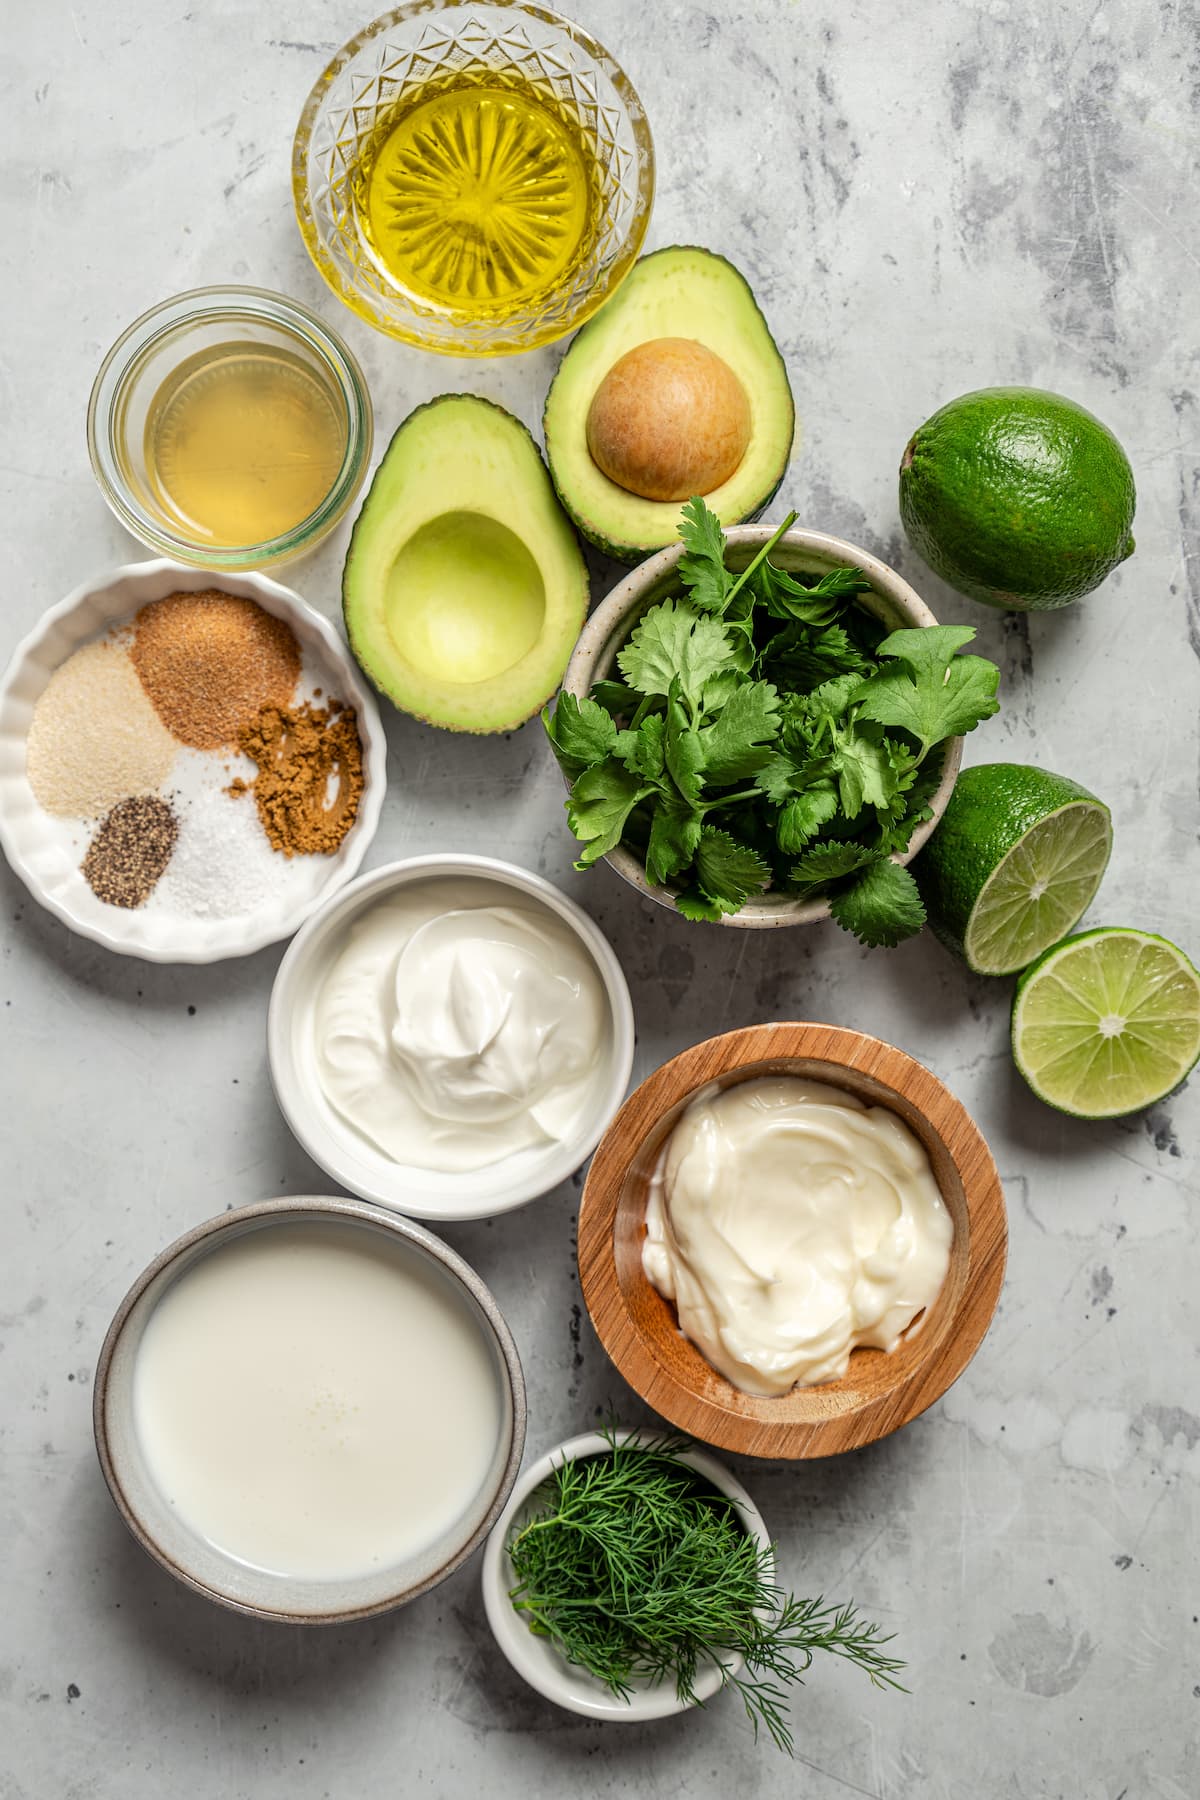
829, 862
581, 732
787, 772
674, 641
864, 768
684, 752
805, 658
777, 777
728, 872
642, 750
826, 703
736, 744
599, 804
928, 689
674, 836
719, 688
698, 907
785, 598
702, 570
614, 697
803, 816
880, 906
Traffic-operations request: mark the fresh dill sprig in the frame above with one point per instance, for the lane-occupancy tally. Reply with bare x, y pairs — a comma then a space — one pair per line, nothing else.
636, 1570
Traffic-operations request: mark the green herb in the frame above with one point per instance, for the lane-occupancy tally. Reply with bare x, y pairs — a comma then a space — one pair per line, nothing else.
636, 1571
767, 732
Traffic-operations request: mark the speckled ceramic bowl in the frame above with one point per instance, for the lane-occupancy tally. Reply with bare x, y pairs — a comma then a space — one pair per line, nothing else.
800, 552
198, 1563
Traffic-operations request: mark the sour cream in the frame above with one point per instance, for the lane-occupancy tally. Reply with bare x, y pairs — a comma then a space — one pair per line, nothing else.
790, 1223
451, 1033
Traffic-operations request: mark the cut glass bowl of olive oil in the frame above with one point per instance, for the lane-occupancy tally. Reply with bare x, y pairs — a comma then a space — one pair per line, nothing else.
473, 178
230, 428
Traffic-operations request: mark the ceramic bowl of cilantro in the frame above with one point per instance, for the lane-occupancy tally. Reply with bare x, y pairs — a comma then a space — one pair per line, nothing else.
762, 727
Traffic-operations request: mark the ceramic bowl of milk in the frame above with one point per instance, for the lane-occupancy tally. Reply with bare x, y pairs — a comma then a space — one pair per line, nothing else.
309, 1410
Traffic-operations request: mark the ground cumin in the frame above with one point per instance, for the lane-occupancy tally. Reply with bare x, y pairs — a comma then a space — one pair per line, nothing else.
310, 775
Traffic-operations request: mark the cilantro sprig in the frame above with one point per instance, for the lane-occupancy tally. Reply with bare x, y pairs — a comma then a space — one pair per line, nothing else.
767, 732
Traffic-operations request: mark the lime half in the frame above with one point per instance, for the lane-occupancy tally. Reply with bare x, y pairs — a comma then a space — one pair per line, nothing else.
1013, 864
1107, 1022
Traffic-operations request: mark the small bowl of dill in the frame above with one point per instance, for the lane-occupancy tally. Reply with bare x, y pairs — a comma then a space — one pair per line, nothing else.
631, 1576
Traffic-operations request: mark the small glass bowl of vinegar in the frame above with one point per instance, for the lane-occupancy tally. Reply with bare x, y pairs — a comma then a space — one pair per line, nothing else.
473, 176
229, 428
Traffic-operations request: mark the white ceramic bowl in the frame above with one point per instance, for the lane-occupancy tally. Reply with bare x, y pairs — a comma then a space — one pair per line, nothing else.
199, 1564
349, 1158
799, 552
535, 1658
37, 846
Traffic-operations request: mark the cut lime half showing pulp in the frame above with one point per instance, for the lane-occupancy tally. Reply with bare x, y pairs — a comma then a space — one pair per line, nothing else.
1107, 1022
1013, 865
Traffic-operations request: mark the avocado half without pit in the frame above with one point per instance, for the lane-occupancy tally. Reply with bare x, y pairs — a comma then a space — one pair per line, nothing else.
675, 388
464, 587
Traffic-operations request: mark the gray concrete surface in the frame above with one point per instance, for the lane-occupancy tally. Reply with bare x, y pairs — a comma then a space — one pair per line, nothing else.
927, 200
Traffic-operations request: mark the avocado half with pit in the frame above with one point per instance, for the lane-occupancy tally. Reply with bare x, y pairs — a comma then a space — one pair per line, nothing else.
464, 587
679, 293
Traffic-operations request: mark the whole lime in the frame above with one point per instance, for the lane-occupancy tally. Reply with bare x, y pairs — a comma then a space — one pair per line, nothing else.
1017, 497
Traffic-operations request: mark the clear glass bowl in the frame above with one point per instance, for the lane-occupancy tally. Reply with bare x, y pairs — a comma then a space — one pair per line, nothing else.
509, 41
152, 349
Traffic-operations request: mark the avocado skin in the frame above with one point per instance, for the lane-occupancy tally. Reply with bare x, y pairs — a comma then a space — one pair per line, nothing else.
357, 550
626, 549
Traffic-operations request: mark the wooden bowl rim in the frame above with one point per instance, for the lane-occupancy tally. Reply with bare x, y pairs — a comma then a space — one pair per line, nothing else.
841, 1049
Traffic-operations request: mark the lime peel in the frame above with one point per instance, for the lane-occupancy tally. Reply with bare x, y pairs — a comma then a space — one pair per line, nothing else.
1013, 865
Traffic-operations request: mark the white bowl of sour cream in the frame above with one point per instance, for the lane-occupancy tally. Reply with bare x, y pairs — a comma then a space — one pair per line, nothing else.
309, 1410
450, 1036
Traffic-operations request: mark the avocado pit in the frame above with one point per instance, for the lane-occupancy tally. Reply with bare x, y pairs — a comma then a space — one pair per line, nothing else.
669, 420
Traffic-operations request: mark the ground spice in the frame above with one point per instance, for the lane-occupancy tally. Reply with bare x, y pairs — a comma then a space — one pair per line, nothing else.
310, 775
211, 661
94, 736
130, 850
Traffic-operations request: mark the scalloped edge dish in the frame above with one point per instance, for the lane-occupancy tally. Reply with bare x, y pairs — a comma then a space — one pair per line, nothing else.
31, 842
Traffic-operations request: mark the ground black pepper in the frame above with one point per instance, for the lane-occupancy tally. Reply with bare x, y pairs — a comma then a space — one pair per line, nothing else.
130, 850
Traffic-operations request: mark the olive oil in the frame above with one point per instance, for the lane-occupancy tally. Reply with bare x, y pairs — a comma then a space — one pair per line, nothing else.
476, 196
242, 442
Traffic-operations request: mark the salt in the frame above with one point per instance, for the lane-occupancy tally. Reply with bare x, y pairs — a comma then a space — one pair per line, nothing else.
223, 865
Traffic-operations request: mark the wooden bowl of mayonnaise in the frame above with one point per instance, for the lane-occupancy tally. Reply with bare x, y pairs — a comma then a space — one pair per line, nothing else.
792, 1240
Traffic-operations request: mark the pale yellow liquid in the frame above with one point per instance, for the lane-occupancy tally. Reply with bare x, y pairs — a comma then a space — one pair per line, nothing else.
478, 197
242, 443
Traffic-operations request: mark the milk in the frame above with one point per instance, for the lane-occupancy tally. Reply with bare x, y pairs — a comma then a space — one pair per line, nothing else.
316, 1400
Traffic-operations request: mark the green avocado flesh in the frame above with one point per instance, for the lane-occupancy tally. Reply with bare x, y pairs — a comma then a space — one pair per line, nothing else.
464, 587
683, 293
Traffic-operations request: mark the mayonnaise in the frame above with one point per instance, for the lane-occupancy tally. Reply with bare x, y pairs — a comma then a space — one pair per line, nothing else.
451, 1033
790, 1223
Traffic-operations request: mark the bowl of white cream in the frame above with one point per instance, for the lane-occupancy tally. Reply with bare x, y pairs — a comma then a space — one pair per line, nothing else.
791, 1240
309, 1410
450, 1037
